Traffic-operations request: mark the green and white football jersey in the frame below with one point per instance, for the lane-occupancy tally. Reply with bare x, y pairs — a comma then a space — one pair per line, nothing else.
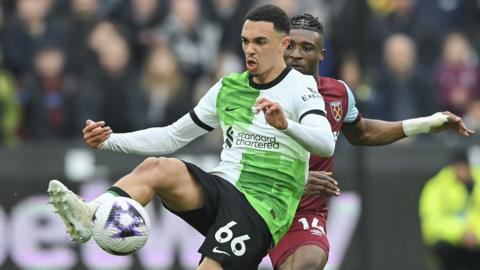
264, 163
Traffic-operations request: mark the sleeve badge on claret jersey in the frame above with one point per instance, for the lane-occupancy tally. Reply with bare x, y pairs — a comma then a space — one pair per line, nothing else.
336, 108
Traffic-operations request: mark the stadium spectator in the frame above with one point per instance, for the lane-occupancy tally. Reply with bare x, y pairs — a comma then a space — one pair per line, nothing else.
401, 89
194, 39
472, 23
450, 214
457, 77
10, 110
101, 34
403, 18
229, 15
140, 18
447, 16
49, 97
167, 90
351, 73
343, 17
114, 91
29, 27
84, 16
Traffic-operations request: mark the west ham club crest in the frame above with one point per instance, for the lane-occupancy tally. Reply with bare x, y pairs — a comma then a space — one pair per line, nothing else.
336, 109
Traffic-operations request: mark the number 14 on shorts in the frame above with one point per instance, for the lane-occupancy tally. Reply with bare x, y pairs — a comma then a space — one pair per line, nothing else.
313, 226
237, 244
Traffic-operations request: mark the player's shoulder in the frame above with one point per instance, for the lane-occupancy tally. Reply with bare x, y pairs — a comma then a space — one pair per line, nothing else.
301, 82
331, 83
235, 78
295, 76
332, 87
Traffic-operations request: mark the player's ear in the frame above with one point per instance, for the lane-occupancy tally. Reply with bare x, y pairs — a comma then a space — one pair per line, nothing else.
285, 42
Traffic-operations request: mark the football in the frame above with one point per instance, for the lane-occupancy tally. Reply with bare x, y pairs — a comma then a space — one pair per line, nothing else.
121, 226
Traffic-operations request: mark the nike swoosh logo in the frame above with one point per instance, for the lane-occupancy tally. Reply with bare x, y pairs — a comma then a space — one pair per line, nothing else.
229, 109
216, 250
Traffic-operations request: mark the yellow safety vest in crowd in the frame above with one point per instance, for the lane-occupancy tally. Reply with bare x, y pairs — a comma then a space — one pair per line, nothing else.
447, 211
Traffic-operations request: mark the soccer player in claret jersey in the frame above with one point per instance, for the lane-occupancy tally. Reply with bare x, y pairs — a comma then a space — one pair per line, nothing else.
306, 246
269, 131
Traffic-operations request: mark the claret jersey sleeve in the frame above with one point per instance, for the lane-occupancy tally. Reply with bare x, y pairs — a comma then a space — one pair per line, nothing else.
352, 114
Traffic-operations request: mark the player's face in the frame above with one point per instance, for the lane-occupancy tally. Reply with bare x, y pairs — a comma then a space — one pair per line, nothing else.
263, 46
305, 51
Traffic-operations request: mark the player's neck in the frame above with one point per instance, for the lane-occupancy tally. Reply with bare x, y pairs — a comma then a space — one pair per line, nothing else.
316, 71
270, 75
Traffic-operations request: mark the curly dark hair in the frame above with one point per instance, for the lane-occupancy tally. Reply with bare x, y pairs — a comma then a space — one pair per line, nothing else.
307, 22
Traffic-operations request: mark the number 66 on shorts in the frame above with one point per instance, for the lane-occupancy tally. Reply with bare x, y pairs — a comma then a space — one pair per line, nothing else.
237, 244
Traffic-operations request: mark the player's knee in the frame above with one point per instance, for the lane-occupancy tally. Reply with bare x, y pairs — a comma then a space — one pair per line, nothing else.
149, 165
310, 263
155, 171
312, 258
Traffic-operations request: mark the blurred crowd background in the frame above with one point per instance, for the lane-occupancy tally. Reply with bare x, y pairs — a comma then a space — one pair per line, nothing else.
141, 63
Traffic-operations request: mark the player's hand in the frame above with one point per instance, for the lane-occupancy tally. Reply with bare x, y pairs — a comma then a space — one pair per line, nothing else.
454, 122
95, 133
273, 112
320, 183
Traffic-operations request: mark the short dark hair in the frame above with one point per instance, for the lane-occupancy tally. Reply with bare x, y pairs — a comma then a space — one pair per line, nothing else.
306, 21
273, 14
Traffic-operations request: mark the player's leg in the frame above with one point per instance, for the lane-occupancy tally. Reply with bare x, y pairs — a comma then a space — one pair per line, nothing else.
309, 257
236, 236
304, 246
169, 178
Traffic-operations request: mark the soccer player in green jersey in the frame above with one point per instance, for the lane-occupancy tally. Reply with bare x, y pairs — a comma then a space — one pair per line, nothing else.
271, 116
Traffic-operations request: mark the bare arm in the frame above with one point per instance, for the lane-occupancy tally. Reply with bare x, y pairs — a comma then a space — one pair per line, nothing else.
373, 132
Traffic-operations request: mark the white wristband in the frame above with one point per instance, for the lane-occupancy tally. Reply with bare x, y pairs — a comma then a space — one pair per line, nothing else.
423, 124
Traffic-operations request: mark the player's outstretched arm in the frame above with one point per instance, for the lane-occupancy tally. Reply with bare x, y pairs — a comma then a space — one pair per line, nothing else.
377, 132
158, 140
151, 141
314, 133
373, 132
